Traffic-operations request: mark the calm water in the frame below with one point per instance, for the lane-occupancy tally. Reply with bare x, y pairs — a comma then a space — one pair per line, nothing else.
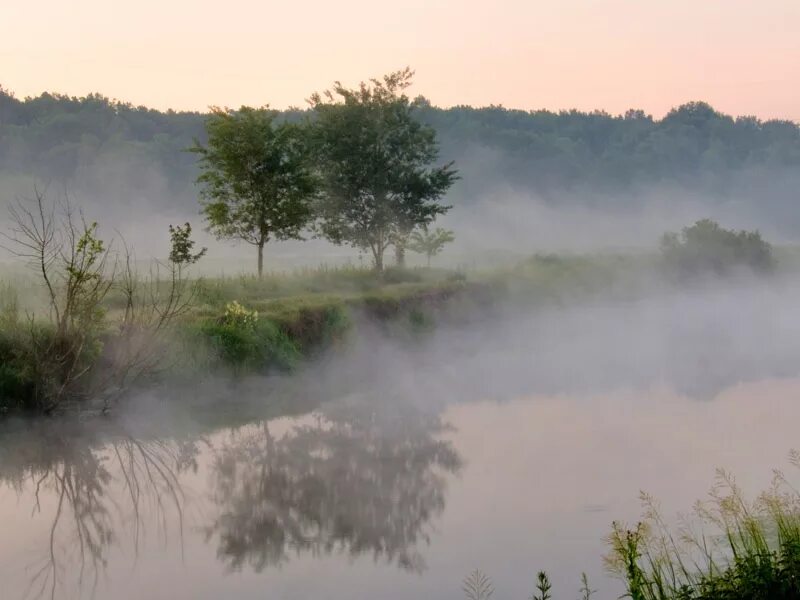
478, 450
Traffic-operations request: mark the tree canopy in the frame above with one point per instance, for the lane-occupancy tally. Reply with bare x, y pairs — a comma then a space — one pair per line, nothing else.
256, 182
377, 162
103, 148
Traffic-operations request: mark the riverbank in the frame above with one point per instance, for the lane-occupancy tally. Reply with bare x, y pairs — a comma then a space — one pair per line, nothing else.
235, 326
241, 325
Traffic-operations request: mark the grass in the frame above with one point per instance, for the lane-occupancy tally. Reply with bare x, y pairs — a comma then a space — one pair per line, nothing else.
295, 317
302, 313
478, 586
728, 548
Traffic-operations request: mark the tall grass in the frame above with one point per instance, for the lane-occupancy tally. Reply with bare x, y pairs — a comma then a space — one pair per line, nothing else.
347, 280
478, 586
728, 548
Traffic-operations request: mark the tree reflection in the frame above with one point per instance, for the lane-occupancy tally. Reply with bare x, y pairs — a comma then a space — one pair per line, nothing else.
353, 479
95, 487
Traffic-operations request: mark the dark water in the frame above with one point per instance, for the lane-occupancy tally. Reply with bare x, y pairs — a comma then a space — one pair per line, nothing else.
511, 452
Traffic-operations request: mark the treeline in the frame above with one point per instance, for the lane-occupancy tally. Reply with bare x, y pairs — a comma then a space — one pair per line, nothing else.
61, 138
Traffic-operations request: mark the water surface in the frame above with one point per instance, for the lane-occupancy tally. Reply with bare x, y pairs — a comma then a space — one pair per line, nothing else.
393, 471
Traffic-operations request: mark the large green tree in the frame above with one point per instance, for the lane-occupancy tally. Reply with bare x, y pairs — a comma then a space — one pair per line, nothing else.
256, 181
378, 165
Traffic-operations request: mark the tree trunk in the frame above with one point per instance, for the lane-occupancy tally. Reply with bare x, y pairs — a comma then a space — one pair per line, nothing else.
429, 261
400, 254
377, 255
260, 260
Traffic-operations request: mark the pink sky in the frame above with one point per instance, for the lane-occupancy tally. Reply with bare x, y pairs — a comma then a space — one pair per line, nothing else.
742, 56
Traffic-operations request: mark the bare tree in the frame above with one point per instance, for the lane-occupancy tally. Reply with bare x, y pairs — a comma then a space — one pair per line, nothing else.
74, 266
78, 270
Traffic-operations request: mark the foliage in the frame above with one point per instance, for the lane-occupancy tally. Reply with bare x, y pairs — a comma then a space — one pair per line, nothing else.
74, 353
69, 140
543, 586
182, 252
72, 262
237, 315
256, 181
242, 341
747, 550
707, 248
478, 586
376, 157
430, 243
585, 591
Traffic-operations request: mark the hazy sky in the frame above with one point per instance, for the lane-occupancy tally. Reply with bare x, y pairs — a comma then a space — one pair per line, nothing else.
743, 56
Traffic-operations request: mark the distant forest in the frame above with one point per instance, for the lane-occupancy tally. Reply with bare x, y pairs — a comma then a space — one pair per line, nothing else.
102, 147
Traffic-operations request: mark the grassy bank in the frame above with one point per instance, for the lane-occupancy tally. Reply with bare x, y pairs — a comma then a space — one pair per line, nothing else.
228, 326
245, 324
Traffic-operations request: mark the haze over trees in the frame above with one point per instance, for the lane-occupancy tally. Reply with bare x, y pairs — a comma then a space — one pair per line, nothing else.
377, 163
256, 180
706, 248
102, 148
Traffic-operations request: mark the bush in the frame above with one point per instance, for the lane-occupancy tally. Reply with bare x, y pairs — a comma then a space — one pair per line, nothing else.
707, 248
17, 390
260, 346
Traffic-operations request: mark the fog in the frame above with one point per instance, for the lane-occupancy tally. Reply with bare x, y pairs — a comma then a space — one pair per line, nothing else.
394, 464
136, 198
527, 433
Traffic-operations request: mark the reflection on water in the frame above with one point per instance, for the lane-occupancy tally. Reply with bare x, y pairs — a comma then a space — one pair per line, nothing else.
368, 499
345, 479
352, 480
98, 488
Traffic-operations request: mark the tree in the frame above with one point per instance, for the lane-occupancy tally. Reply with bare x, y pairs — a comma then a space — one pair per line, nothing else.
707, 248
430, 243
375, 158
257, 184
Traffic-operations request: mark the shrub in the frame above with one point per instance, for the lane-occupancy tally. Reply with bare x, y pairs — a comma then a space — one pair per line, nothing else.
244, 343
239, 317
707, 248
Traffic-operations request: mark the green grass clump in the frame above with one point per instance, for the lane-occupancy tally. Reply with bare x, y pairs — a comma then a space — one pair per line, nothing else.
745, 551
261, 346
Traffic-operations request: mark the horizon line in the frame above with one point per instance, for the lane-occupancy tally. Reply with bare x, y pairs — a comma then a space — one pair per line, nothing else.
601, 111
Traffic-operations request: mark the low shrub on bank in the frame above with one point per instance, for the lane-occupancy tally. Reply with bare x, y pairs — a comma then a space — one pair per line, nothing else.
241, 340
260, 348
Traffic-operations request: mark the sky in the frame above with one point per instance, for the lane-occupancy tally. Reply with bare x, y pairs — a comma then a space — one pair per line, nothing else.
742, 56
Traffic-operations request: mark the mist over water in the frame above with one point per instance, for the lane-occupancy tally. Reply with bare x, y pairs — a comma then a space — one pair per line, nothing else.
393, 465
391, 469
